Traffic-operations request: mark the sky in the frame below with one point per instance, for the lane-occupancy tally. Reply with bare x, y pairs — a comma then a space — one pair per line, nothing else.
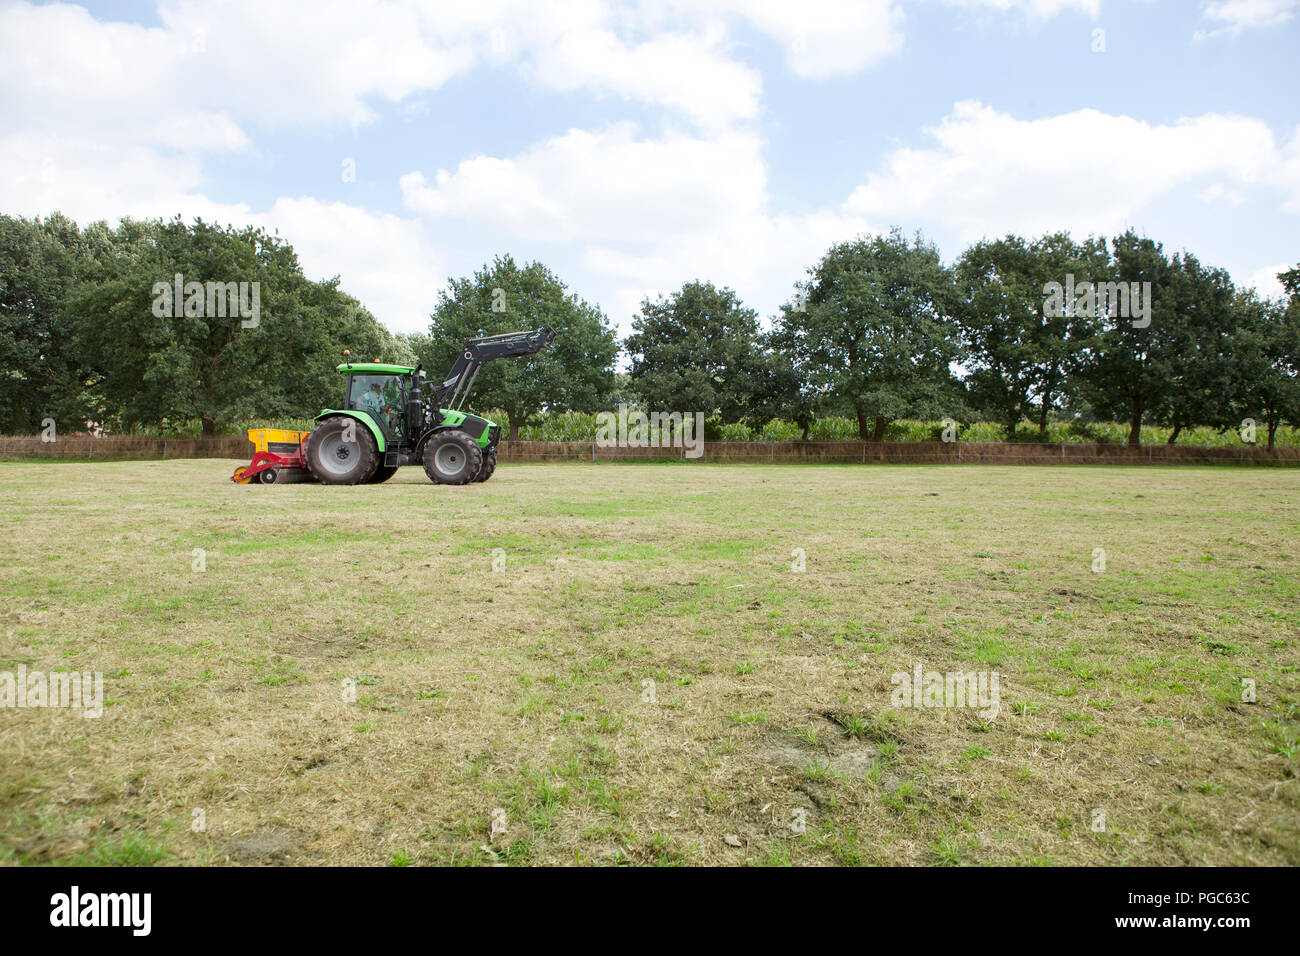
633, 147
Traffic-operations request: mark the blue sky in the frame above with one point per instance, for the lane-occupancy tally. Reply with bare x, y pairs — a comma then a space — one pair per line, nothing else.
632, 147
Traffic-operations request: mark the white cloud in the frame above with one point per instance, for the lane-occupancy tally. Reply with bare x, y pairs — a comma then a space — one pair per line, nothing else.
650, 213
103, 119
601, 185
385, 260
1265, 280
821, 38
1238, 15
252, 62
64, 71
990, 173
689, 73
1039, 9
760, 255
89, 179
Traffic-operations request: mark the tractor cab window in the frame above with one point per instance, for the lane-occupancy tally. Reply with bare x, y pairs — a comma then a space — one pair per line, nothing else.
381, 397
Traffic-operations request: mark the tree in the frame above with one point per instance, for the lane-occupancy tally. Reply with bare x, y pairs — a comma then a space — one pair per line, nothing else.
221, 351
998, 315
1268, 370
1203, 344
699, 350
1060, 340
1126, 373
1174, 364
787, 391
874, 330
42, 265
576, 373
793, 391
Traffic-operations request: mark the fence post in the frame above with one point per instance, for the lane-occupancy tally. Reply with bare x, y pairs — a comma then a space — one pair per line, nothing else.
593, 449
1063, 451
771, 452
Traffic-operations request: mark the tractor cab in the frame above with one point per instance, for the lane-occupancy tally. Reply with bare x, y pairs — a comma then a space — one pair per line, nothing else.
381, 391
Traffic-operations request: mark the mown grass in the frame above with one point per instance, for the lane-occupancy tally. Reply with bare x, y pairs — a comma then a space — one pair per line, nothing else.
649, 680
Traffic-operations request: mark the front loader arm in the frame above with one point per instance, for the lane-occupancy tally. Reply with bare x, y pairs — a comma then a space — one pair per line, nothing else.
477, 351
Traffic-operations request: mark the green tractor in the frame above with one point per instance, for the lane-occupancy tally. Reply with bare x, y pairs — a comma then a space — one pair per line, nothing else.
392, 416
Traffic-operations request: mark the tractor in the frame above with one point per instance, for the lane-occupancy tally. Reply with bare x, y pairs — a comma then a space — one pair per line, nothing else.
393, 416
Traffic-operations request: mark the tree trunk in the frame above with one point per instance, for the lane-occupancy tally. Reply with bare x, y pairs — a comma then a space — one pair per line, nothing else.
514, 428
1011, 428
209, 427
879, 434
862, 423
1272, 430
1135, 429
806, 426
1047, 402
1173, 435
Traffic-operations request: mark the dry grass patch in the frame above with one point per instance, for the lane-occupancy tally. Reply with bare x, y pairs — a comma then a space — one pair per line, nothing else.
648, 680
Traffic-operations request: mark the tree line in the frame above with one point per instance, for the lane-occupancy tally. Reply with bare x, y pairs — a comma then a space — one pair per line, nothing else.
131, 326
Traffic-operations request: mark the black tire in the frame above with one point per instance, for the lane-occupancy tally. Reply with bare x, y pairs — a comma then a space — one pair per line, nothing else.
382, 474
488, 467
452, 458
270, 476
336, 461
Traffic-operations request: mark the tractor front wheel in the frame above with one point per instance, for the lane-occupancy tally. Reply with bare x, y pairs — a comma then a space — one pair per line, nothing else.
452, 458
341, 451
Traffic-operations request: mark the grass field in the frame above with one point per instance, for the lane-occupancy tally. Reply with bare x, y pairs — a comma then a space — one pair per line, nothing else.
649, 679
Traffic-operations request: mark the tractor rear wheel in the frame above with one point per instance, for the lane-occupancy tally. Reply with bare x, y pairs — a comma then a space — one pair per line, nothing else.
382, 474
489, 465
341, 451
452, 458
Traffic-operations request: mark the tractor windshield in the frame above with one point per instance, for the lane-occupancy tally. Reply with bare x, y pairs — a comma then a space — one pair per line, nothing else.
380, 396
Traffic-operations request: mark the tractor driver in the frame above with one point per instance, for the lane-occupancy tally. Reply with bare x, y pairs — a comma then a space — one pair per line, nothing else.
372, 401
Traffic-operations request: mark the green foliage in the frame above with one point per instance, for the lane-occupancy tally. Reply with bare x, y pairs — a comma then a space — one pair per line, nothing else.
873, 330
122, 357
698, 350
1175, 370
581, 427
42, 264
1266, 386
868, 349
1019, 352
575, 373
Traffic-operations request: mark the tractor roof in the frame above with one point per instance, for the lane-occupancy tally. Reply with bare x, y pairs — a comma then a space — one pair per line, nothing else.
376, 368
